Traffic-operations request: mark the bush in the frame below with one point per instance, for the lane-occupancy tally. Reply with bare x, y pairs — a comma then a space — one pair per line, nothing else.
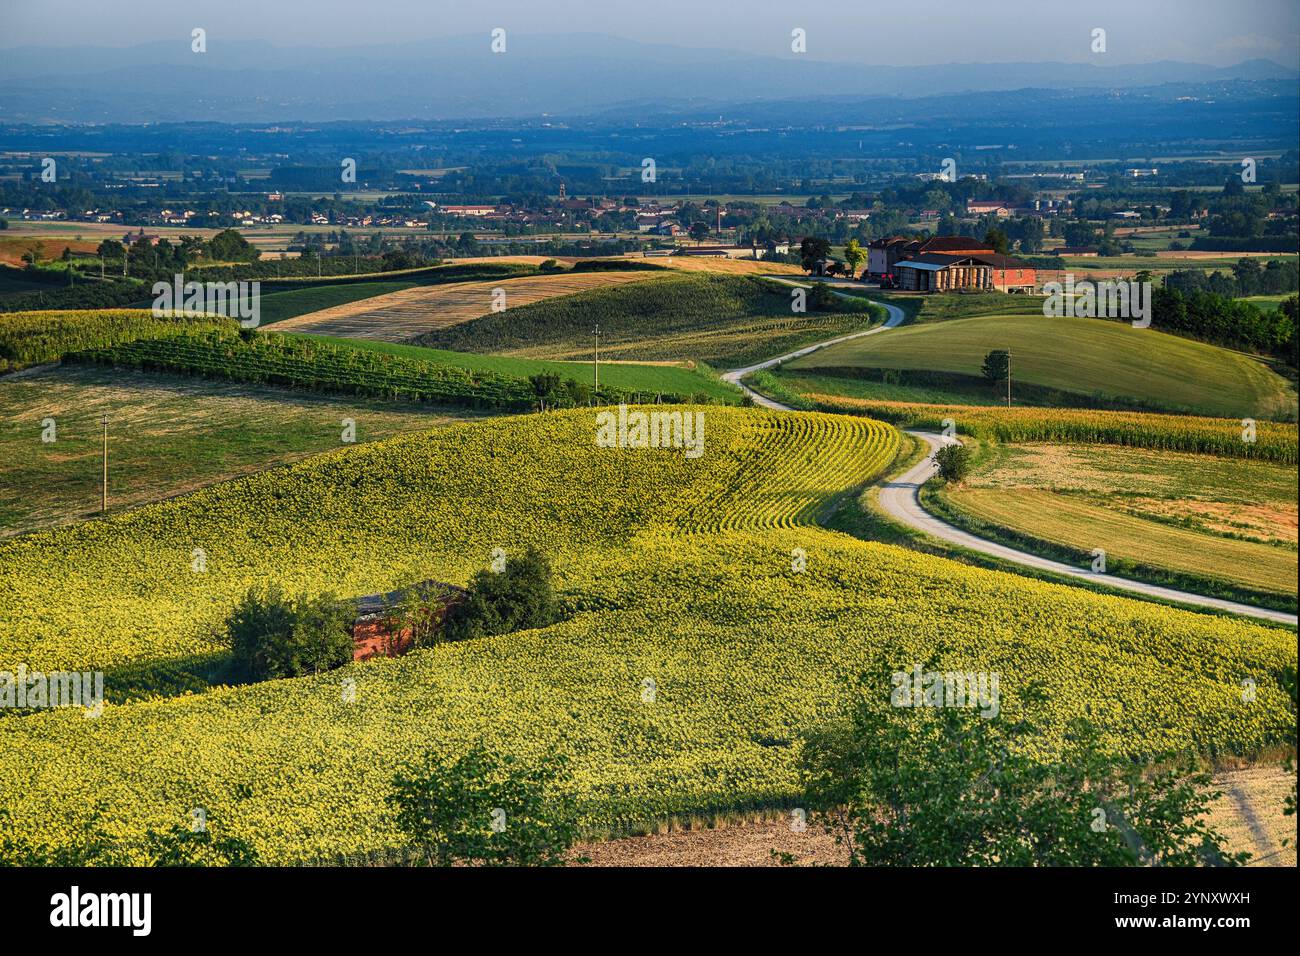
953, 462
518, 597
485, 810
820, 297
272, 636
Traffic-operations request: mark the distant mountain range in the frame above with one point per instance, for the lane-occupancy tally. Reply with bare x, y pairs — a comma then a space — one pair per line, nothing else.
460, 78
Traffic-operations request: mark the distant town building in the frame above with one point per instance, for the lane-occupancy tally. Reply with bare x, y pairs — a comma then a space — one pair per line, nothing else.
979, 207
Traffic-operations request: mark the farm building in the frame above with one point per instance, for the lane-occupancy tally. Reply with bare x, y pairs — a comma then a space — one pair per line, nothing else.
977, 207
1009, 274
386, 624
935, 272
941, 272
884, 255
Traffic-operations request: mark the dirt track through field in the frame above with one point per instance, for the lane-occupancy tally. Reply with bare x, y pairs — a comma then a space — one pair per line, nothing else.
402, 316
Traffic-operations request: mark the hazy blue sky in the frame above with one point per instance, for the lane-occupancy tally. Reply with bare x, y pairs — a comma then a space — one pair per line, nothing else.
1220, 32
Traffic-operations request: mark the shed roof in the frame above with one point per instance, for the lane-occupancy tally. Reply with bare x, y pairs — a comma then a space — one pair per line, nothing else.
372, 605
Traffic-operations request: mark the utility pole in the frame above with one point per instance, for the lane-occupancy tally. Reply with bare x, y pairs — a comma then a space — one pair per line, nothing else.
595, 359
1008, 378
103, 501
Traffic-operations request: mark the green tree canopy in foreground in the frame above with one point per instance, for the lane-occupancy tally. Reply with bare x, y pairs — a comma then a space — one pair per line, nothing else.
945, 786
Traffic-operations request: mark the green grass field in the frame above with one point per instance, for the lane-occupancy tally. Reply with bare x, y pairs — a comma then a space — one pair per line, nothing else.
724, 320
168, 435
675, 379
1214, 525
1109, 361
1267, 302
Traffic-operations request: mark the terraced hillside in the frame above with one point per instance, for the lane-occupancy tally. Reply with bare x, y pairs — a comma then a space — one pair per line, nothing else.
404, 315
747, 652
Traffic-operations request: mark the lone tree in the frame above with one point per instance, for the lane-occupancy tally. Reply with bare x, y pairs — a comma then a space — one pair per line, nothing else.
812, 250
998, 240
944, 786
518, 597
486, 810
996, 366
953, 461
854, 256
545, 386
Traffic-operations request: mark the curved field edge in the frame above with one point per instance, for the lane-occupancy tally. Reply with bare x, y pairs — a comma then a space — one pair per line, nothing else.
1226, 437
746, 654
938, 503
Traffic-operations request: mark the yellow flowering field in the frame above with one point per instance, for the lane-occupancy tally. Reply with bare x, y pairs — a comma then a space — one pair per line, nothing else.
744, 652
745, 647
112, 594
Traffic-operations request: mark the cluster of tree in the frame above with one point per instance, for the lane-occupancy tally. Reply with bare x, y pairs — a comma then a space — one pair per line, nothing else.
272, 635
1224, 321
1248, 277
1237, 213
552, 391
144, 258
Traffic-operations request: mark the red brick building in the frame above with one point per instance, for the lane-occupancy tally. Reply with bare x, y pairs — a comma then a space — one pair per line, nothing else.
378, 631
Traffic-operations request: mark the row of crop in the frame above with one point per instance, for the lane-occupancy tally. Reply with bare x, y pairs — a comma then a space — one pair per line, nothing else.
121, 592
32, 338
686, 694
790, 468
307, 363
1233, 438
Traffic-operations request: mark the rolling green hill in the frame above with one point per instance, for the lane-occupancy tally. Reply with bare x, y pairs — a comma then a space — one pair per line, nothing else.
1110, 361
724, 320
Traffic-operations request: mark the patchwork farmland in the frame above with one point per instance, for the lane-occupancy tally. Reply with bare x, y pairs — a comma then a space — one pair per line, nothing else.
539, 447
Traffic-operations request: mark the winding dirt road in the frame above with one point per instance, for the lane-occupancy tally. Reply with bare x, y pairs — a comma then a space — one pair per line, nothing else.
900, 498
